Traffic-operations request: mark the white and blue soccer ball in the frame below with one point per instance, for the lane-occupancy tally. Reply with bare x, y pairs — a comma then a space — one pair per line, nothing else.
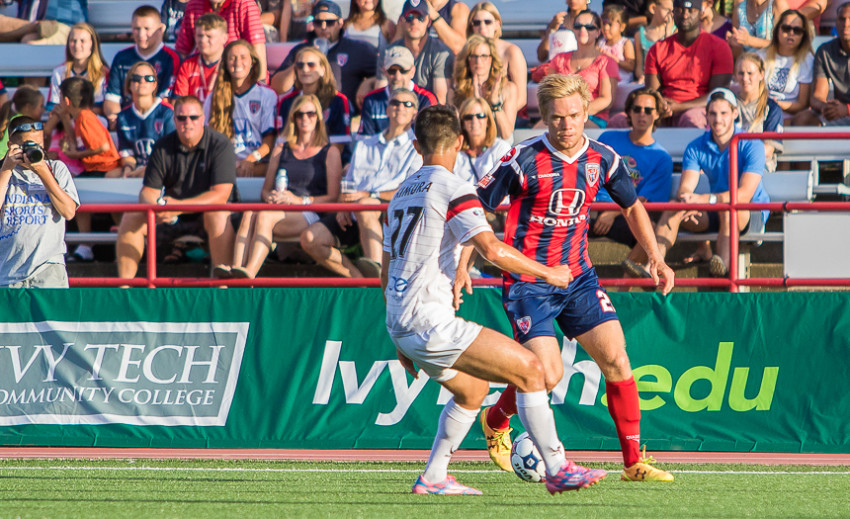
526, 460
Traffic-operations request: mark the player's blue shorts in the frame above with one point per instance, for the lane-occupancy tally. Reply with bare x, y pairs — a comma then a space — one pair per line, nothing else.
533, 307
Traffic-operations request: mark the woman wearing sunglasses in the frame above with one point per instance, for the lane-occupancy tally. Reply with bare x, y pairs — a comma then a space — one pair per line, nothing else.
482, 149
599, 71
303, 169
565, 19
789, 61
243, 108
313, 75
82, 58
479, 72
486, 21
650, 165
143, 122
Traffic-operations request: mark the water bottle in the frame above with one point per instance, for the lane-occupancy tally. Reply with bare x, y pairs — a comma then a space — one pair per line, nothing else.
161, 201
281, 181
322, 44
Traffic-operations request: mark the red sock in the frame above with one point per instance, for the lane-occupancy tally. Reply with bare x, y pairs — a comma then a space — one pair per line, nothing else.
499, 416
624, 407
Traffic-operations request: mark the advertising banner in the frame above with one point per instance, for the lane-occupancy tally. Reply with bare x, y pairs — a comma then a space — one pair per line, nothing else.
314, 368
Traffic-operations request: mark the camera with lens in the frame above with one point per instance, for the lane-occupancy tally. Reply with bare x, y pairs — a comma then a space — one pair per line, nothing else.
33, 151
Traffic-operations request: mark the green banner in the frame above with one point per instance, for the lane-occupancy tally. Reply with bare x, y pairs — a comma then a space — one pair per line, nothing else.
314, 368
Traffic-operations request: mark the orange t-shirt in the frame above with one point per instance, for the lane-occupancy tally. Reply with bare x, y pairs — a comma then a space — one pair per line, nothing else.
91, 134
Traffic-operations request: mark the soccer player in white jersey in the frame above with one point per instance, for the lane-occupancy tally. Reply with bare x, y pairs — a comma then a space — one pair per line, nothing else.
431, 215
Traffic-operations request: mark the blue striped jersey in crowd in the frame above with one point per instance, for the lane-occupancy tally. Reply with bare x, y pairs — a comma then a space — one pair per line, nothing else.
137, 132
373, 115
550, 196
164, 60
337, 116
253, 118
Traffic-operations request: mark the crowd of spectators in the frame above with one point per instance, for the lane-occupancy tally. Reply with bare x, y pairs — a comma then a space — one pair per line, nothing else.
332, 122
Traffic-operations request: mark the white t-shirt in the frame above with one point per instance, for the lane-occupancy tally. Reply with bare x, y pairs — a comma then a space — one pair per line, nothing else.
431, 214
253, 117
782, 81
474, 169
58, 76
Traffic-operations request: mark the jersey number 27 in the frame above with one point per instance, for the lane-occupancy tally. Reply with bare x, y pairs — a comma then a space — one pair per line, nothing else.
407, 220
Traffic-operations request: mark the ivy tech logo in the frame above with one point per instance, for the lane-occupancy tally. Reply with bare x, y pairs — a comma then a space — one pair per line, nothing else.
137, 373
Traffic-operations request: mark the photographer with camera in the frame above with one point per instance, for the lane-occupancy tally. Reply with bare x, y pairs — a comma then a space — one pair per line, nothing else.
37, 196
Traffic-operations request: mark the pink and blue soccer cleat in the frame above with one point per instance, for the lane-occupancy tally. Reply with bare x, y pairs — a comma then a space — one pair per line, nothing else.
449, 486
573, 477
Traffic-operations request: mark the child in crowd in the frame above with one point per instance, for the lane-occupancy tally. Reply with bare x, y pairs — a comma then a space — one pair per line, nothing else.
93, 146
26, 101
147, 33
197, 74
171, 14
660, 26
614, 45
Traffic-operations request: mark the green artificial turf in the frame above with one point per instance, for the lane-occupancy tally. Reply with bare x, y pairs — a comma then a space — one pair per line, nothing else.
162, 489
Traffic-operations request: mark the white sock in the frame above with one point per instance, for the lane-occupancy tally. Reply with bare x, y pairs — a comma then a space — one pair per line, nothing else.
455, 422
537, 417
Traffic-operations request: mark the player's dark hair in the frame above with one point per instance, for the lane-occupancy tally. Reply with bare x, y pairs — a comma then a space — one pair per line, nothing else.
436, 128
146, 11
79, 91
15, 124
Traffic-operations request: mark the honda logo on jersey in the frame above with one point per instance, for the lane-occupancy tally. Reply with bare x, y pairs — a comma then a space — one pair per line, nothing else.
566, 202
591, 173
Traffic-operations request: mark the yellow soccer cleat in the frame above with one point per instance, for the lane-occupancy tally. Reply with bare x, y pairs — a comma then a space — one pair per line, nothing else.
644, 471
498, 443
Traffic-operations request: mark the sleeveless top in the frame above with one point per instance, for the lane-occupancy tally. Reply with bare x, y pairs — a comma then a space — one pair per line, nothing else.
307, 177
763, 26
446, 13
617, 50
371, 35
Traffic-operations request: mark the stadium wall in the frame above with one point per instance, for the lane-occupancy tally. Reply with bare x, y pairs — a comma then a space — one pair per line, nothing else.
314, 368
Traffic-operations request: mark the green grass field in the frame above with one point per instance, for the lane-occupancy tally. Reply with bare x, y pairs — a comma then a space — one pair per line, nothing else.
162, 489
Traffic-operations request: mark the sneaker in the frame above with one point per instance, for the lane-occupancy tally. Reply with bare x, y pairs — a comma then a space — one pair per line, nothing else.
369, 268
644, 471
573, 477
498, 443
449, 487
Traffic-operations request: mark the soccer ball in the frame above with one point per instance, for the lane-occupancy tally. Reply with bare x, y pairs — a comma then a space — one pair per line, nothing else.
526, 460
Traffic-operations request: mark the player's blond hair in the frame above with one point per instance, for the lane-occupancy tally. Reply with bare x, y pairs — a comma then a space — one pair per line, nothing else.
558, 86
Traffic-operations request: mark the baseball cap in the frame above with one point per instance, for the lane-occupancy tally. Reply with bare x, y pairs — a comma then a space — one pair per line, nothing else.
399, 56
327, 6
687, 4
723, 93
414, 5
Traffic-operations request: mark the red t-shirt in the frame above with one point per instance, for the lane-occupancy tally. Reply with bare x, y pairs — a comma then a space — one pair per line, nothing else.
92, 134
195, 78
243, 21
685, 72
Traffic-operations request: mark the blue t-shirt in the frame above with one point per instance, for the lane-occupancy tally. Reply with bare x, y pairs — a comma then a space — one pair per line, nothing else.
137, 133
164, 61
651, 167
703, 154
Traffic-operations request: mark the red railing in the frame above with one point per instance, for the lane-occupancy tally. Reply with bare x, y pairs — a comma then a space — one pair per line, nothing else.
733, 282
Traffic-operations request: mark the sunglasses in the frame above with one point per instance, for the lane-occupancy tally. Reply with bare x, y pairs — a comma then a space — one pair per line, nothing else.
410, 17
796, 31
306, 65
324, 23
310, 115
182, 118
28, 127
645, 109
470, 117
479, 23
398, 102
392, 71
480, 56
588, 27
138, 78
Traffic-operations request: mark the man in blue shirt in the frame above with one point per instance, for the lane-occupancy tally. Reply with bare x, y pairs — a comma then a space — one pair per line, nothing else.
710, 153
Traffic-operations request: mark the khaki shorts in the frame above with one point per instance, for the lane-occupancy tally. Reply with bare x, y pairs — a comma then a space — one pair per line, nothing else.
49, 275
436, 349
51, 32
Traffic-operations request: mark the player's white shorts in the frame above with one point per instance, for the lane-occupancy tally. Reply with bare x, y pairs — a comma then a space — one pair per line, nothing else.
436, 349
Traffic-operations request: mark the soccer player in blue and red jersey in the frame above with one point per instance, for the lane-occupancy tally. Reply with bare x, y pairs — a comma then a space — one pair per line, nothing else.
551, 180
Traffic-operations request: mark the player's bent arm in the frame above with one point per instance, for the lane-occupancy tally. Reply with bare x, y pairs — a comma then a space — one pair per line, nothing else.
641, 227
508, 258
